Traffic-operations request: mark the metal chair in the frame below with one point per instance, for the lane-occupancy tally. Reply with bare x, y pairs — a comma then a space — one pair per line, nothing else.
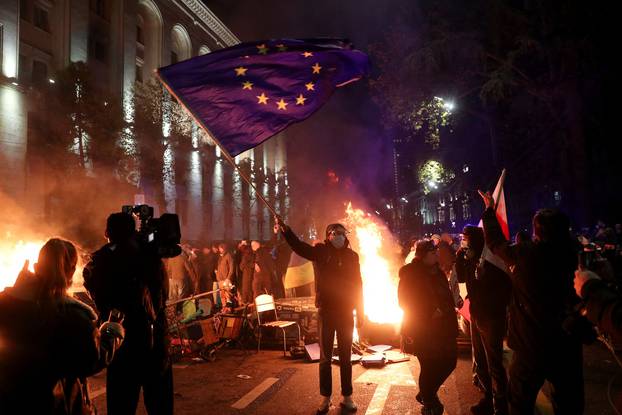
264, 303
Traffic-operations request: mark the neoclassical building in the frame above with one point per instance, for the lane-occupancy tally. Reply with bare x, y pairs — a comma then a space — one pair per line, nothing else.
123, 42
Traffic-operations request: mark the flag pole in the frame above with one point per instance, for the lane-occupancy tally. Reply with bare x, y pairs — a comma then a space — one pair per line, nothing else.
223, 150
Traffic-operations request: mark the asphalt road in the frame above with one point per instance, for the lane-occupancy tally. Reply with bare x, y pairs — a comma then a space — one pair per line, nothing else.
281, 385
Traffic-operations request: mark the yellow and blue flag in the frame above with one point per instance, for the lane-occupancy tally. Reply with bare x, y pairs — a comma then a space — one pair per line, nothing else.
249, 92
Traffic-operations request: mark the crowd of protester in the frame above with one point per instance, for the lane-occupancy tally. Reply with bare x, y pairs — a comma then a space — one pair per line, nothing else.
545, 293
244, 270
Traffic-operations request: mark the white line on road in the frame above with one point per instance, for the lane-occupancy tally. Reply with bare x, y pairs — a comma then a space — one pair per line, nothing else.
255, 393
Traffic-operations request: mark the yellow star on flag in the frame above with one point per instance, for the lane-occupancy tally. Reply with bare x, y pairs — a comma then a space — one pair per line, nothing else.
282, 104
247, 85
310, 86
263, 49
316, 68
240, 71
300, 100
307, 54
262, 99
281, 47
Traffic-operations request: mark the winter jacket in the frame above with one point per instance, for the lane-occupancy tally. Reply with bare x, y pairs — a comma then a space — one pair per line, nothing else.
429, 315
225, 269
339, 286
47, 350
489, 288
543, 296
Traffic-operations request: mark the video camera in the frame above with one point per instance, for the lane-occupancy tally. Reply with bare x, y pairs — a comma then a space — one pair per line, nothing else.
162, 235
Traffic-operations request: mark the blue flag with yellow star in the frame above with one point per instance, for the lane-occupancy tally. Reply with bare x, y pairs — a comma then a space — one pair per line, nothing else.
249, 92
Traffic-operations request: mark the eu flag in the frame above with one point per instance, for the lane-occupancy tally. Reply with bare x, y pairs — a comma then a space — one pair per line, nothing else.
247, 93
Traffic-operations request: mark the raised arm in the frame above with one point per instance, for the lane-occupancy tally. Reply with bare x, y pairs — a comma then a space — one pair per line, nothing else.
301, 248
495, 240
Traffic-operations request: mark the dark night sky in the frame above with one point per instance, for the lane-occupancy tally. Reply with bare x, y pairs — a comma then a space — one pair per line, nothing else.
346, 134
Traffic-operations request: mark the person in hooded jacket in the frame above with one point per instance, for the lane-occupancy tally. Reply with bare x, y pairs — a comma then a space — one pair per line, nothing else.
543, 300
430, 325
49, 341
339, 292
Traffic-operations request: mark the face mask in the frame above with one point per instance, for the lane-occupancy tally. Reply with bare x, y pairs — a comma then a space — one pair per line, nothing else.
338, 241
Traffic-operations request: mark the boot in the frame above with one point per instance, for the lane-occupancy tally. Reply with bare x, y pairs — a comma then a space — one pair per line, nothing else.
348, 404
324, 405
433, 409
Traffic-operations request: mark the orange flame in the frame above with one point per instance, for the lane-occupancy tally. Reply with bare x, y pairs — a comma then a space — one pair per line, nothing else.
13, 253
375, 245
12, 257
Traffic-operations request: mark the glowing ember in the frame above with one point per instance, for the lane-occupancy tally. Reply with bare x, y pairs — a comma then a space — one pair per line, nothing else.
374, 244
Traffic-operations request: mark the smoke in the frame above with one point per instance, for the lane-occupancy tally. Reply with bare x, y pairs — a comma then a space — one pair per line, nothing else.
74, 207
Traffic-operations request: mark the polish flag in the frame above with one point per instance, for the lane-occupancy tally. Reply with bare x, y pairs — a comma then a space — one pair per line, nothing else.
502, 217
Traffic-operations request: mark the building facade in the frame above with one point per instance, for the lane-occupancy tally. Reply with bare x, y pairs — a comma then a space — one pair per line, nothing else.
123, 42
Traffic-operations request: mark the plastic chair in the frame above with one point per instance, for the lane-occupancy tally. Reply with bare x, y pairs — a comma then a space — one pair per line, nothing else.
264, 303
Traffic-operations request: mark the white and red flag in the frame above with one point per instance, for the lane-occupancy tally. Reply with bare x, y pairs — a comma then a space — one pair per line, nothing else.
502, 217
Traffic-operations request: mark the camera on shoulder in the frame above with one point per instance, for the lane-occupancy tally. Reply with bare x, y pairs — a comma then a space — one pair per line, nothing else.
160, 236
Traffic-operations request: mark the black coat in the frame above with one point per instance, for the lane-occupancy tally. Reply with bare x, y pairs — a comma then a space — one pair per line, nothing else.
543, 296
47, 349
489, 288
338, 282
429, 313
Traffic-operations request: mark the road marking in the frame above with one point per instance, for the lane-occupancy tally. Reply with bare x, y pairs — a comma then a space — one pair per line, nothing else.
255, 393
398, 374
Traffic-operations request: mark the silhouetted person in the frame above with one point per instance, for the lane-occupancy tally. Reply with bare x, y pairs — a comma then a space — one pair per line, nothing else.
339, 291
247, 268
225, 273
264, 270
282, 253
207, 260
543, 298
124, 276
489, 290
430, 325
50, 342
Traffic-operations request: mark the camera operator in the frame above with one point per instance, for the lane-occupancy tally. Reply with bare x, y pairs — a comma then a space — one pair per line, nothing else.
126, 276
